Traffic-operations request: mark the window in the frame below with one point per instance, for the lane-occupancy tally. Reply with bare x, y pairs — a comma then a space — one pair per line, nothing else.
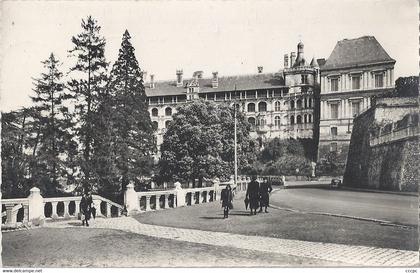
299, 104
355, 82
154, 112
251, 121
298, 119
333, 131
306, 103
292, 104
261, 122
277, 106
304, 79
305, 119
168, 111
277, 121
355, 108
334, 110
334, 84
251, 107
292, 120
310, 103
310, 118
155, 125
167, 123
333, 147
379, 80
262, 106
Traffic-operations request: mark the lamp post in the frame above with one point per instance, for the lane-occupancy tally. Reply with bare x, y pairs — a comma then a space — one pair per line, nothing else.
235, 178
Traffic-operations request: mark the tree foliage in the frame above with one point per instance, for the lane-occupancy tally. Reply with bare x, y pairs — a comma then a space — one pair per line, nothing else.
199, 143
87, 86
124, 151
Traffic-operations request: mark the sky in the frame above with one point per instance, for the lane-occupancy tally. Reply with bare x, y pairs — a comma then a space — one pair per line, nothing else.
231, 37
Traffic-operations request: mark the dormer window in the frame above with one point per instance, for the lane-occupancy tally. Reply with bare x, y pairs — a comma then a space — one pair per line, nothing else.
379, 80
355, 82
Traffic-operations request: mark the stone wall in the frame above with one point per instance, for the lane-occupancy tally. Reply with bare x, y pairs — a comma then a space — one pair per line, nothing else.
391, 165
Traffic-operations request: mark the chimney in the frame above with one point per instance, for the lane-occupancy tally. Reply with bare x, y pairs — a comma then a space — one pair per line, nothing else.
292, 58
260, 69
179, 82
215, 80
198, 74
152, 81
286, 61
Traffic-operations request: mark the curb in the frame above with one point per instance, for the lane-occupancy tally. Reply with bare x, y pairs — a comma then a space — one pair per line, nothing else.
379, 191
381, 222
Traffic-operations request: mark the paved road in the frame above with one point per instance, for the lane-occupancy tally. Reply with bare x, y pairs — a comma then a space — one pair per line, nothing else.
342, 254
401, 209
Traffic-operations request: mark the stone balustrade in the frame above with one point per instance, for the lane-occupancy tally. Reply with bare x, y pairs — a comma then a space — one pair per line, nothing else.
395, 135
24, 210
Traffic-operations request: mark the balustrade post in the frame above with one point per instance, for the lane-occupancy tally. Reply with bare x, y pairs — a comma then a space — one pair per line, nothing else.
66, 209
108, 210
76, 207
54, 214
10, 216
148, 203
97, 203
131, 199
157, 202
166, 201
36, 205
25, 213
199, 197
206, 195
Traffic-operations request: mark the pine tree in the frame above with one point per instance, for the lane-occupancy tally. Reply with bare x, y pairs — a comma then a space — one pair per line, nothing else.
134, 141
52, 144
87, 86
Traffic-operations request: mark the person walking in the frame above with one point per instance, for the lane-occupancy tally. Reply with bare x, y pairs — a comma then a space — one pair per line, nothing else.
85, 206
265, 190
226, 197
252, 194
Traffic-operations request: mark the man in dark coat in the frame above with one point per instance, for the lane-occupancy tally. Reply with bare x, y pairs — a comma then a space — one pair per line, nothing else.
252, 193
85, 207
226, 197
265, 190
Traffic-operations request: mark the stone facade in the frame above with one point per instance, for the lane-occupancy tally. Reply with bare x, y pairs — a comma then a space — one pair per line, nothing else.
356, 71
384, 151
275, 104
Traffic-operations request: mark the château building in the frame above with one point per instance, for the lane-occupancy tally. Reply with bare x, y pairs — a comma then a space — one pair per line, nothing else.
275, 104
356, 70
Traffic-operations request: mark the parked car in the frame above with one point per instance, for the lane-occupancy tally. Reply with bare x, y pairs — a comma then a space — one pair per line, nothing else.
335, 183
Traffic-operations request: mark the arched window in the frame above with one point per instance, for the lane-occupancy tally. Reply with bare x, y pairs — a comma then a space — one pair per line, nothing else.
306, 103
261, 122
310, 103
292, 104
251, 121
155, 125
154, 112
305, 119
310, 118
298, 119
277, 106
251, 107
292, 120
262, 106
299, 104
277, 121
167, 123
168, 111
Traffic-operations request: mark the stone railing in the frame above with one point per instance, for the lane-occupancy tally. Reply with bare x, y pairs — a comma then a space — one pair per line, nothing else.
25, 210
395, 135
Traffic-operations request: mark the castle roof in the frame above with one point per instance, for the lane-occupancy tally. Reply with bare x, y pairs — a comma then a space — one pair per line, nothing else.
227, 83
357, 52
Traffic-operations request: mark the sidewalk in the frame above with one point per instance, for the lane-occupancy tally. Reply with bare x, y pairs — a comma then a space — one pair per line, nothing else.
348, 254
